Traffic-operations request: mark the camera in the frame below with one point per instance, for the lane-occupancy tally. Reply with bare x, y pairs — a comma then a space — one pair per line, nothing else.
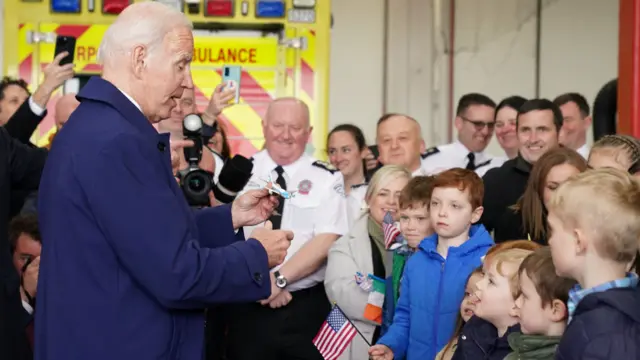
195, 182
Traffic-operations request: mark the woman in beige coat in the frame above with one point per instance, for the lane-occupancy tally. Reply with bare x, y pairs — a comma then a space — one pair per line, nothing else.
362, 250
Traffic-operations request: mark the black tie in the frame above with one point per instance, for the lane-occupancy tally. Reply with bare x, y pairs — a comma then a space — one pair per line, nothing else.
276, 217
471, 165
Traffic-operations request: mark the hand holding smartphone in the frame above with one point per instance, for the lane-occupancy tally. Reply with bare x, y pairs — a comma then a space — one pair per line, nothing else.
231, 75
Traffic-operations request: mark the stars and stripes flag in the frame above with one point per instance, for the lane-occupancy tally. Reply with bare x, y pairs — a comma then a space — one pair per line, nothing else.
335, 334
390, 229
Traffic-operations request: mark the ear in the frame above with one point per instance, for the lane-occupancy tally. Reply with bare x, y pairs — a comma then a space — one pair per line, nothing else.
310, 132
476, 214
138, 57
558, 310
580, 241
514, 311
458, 123
588, 121
423, 146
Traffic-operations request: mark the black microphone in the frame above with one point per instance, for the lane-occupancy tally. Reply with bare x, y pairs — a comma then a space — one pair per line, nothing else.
235, 174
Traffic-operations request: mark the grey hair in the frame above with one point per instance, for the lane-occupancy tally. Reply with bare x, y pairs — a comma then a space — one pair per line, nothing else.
144, 23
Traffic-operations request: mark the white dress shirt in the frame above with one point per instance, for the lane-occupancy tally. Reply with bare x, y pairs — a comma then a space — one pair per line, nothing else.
454, 155
584, 151
319, 206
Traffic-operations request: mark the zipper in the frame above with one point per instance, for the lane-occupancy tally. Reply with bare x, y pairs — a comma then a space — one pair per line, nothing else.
435, 333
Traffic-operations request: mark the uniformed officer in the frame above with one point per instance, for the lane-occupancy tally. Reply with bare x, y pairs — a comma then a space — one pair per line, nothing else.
284, 325
475, 121
399, 142
347, 150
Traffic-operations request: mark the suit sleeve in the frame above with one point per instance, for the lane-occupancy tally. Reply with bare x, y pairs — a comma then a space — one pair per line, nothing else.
397, 337
490, 214
132, 197
211, 234
24, 122
25, 163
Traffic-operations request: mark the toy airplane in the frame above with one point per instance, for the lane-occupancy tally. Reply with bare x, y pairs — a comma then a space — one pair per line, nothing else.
275, 189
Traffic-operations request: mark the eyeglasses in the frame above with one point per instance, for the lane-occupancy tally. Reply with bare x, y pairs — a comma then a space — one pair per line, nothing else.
479, 125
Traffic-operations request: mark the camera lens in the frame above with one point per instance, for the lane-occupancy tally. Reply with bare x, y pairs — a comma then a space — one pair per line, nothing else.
196, 184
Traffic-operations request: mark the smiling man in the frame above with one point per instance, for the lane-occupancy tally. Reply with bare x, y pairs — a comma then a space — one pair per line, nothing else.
538, 127
475, 122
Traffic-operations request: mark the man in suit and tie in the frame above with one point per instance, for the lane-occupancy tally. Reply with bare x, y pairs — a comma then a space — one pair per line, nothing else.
127, 267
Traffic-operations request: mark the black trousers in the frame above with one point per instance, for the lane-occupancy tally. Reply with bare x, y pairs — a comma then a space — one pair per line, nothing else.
260, 332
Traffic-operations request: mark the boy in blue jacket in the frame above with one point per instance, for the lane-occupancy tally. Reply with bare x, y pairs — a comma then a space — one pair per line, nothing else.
435, 277
595, 227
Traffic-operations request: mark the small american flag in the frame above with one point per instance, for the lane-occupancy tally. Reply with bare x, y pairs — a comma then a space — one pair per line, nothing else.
390, 229
335, 335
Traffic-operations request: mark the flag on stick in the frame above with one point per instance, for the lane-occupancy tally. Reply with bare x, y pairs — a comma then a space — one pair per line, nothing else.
335, 335
373, 310
390, 229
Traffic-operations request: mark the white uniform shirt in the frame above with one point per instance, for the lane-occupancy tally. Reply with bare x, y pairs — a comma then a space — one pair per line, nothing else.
453, 155
584, 151
319, 206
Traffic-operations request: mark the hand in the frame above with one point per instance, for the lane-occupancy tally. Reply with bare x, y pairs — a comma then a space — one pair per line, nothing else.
275, 291
54, 76
30, 277
380, 352
252, 207
177, 156
220, 100
370, 161
275, 243
281, 300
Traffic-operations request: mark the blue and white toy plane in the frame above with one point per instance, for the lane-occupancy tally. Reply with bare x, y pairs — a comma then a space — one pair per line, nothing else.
275, 189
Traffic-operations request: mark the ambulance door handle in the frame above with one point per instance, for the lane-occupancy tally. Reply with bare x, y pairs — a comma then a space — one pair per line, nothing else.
295, 43
34, 37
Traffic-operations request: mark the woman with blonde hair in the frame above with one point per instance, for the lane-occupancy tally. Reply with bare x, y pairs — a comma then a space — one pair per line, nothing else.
363, 251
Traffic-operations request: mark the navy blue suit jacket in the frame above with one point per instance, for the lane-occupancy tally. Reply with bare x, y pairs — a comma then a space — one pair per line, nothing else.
127, 267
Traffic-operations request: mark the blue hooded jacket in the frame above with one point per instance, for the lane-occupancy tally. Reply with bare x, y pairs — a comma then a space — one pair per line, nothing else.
430, 295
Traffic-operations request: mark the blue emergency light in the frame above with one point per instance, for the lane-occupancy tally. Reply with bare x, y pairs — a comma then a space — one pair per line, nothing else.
65, 6
270, 9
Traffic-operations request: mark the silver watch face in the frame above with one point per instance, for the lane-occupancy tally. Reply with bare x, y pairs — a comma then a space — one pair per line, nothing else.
281, 282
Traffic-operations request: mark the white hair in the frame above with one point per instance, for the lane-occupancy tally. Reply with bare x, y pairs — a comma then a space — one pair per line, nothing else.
144, 23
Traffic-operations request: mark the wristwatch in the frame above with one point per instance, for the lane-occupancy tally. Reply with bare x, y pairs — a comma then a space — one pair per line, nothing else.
281, 281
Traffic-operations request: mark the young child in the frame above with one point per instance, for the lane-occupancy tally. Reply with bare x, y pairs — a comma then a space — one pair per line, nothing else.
434, 278
485, 335
415, 226
595, 228
466, 312
542, 308
616, 151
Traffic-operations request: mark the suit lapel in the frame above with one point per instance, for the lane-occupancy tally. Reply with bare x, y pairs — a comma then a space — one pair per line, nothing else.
361, 246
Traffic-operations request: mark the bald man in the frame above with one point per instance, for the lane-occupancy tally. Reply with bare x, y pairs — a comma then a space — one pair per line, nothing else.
64, 107
128, 267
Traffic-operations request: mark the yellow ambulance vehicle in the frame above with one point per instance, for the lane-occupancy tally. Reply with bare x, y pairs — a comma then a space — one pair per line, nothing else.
281, 45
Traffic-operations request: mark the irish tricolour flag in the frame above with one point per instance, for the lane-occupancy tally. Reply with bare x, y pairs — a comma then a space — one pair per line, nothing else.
373, 310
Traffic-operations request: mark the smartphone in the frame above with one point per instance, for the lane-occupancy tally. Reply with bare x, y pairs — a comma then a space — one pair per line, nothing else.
231, 75
68, 44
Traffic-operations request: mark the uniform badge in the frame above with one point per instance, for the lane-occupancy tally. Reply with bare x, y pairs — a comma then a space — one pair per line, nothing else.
304, 187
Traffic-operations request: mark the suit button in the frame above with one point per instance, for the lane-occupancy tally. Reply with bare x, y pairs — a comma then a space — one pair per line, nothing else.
257, 277
161, 146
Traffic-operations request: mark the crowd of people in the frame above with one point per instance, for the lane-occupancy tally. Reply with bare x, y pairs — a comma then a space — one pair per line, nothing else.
443, 252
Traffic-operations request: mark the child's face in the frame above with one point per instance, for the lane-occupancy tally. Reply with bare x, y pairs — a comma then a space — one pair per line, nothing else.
533, 317
451, 212
495, 298
605, 159
415, 224
564, 245
469, 302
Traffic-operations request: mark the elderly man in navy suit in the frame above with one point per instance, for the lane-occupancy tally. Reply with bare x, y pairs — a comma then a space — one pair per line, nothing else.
127, 266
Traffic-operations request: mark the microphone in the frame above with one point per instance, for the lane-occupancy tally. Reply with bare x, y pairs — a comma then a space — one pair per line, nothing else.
235, 174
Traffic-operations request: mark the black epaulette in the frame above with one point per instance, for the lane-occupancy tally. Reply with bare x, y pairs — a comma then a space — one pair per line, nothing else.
430, 151
358, 185
484, 164
325, 165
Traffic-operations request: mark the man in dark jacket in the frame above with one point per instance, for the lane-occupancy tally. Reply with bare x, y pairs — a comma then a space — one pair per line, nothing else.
20, 169
537, 126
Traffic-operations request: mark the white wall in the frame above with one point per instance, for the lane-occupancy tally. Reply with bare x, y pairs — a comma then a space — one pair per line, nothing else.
494, 47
